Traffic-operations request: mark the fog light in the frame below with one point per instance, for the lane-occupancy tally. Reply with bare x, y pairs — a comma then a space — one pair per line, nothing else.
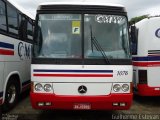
40, 104
116, 87
47, 87
115, 104
122, 104
125, 87
38, 87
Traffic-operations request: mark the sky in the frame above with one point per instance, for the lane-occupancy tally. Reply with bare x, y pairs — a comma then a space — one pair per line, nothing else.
133, 7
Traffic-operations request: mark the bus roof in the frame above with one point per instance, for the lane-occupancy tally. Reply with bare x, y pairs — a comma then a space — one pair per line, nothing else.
21, 9
150, 18
85, 6
82, 3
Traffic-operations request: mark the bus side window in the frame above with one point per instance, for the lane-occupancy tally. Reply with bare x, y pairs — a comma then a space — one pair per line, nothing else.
12, 20
20, 26
134, 40
3, 24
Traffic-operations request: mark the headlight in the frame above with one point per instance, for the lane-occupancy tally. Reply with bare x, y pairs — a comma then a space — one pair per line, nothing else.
116, 87
47, 87
38, 87
125, 87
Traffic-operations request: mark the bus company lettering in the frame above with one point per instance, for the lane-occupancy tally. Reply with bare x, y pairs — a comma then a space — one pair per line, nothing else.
108, 19
24, 51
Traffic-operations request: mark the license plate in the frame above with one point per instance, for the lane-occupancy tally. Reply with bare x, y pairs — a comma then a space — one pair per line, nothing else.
82, 106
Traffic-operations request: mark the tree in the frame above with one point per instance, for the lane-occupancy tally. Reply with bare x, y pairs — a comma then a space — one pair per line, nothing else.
137, 19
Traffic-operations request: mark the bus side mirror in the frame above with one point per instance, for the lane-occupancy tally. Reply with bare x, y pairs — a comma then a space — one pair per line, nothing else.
134, 39
23, 30
133, 33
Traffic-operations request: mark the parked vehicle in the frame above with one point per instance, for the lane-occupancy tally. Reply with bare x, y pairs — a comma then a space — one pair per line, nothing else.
81, 57
16, 37
145, 36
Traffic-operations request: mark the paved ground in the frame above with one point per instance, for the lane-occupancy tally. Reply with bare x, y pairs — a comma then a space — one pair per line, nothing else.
146, 108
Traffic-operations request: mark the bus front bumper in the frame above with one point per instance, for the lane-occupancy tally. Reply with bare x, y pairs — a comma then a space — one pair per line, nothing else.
145, 90
109, 102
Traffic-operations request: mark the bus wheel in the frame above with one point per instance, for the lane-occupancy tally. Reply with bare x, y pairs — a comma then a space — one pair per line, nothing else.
11, 94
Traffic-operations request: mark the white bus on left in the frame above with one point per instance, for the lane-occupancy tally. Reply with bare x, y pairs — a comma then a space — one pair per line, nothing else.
16, 34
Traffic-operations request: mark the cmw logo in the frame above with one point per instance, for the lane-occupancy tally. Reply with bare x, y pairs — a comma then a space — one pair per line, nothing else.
24, 51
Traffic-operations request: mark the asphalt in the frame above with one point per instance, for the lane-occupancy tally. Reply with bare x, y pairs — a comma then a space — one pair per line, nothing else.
143, 108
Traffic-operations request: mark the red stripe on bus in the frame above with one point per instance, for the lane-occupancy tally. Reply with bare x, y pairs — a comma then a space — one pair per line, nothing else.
145, 90
146, 64
6, 52
73, 75
103, 102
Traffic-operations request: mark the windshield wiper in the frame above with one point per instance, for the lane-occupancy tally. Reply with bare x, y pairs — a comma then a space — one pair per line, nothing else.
98, 46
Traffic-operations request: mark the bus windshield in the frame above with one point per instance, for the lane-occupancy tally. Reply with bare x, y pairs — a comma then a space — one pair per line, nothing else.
68, 35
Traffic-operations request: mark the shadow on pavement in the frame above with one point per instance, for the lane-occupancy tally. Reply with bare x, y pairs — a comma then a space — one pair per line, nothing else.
148, 101
76, 115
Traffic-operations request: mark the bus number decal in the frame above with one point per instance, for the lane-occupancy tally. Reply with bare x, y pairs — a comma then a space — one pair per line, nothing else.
122, 73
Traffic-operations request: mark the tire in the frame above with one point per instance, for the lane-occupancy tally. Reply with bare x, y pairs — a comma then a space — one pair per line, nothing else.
11, 94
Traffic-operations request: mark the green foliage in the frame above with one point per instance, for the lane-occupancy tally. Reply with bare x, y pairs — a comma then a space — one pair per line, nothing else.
137, 19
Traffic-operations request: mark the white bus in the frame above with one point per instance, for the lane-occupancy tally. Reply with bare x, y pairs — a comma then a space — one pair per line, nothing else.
146, 56
81, 57
16, 36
